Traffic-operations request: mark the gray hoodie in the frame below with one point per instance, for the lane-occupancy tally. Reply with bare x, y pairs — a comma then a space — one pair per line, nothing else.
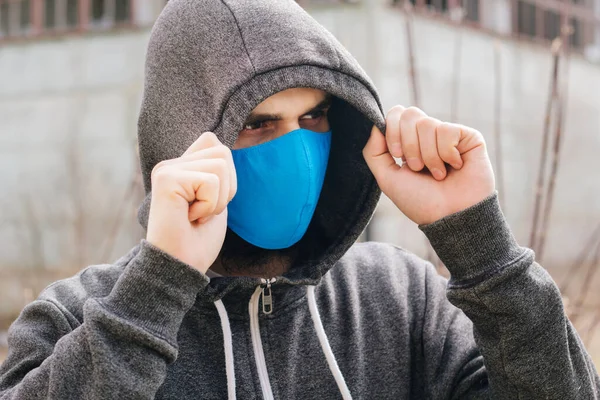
367, 321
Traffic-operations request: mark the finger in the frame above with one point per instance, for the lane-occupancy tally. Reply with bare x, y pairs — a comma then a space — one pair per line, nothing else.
377, 156
207, 194
410, 138
215, 166
220, 151
426, 129
207, 153
191, 186
469, 140
448, 137
392, 130
204, 141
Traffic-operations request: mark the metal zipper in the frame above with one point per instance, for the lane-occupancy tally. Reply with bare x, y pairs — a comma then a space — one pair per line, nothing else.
259, 355
267, 298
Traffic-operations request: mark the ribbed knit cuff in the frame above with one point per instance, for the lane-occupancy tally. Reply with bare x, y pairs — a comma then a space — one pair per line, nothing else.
155, 291
474, 243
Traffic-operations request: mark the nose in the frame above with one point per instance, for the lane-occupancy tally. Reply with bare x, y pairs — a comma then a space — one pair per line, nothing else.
284, 128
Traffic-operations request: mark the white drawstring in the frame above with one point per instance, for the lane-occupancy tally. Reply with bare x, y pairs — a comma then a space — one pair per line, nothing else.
333, 365
314, 313
228, 344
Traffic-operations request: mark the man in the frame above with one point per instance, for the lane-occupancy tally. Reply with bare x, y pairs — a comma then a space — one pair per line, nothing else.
263, 154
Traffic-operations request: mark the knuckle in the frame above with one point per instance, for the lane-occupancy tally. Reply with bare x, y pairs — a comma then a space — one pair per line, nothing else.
214, 138
221, 165
212, 190
411, 149
224, 151
212, 185
397, 109
430, 155
212, 180
425, 124
412, 112
431, 160
157, 167
160, 176
478, 135
446, 153
445, 128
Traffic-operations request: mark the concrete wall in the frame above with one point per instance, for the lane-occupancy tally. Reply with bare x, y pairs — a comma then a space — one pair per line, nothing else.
67, 149
68, 110
377, 38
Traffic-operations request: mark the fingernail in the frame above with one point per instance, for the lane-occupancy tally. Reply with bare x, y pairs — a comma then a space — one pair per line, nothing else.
396, 149
457, 165
414, 163
437, 174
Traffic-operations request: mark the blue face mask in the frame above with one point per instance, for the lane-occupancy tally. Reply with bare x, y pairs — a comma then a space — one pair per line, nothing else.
279, 183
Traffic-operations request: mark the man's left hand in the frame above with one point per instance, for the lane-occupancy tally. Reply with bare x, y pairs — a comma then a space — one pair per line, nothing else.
445, 169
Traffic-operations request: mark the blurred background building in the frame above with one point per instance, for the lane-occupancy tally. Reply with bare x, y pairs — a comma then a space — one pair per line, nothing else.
71, 81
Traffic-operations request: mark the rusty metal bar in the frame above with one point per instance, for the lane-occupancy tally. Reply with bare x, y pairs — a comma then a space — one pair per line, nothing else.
110, 11
578, 11
132, 11
84, 15
37, 16
540, 26
60, 14
499, 160
550, 107
14, 10
514, 10
565, 34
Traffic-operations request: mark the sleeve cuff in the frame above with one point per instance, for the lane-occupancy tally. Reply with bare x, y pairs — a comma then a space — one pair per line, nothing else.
476, 242
155, 291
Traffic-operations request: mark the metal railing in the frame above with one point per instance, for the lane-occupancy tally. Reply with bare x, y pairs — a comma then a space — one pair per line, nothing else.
33, 18
23, 19
535, 20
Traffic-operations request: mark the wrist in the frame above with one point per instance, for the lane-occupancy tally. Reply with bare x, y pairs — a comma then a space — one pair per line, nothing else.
177, 254
474, 242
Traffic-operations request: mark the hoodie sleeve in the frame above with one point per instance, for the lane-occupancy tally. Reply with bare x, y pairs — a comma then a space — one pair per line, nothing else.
119, 351
529, 346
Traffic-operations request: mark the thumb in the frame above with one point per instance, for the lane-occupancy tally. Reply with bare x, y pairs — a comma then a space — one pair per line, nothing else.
378, 157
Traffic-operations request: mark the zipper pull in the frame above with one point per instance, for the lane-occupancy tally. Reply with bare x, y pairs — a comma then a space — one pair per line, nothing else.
267, 298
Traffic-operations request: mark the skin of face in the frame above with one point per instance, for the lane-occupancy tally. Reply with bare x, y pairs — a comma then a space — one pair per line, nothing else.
284, 112
279, 114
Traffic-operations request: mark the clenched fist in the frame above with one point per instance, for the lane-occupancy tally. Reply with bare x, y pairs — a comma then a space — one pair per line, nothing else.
446, 167
188, 211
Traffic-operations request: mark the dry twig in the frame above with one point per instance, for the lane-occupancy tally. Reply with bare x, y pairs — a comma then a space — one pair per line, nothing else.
497, 124
552, 100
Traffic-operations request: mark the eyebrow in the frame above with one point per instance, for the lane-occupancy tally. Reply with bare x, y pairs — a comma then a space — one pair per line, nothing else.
254, 117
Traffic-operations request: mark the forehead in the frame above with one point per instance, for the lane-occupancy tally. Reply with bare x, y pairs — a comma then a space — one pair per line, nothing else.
292, 99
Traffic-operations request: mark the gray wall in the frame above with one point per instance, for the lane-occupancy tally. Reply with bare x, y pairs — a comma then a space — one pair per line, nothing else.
377, 38
68, 110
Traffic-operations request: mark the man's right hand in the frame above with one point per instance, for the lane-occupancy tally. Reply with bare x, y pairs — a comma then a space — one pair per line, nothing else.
188, 211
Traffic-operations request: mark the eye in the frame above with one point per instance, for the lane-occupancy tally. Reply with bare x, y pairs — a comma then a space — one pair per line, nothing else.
251, 126
314, 115
313, 119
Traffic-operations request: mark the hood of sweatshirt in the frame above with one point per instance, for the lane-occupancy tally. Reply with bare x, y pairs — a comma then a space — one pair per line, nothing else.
210, 62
